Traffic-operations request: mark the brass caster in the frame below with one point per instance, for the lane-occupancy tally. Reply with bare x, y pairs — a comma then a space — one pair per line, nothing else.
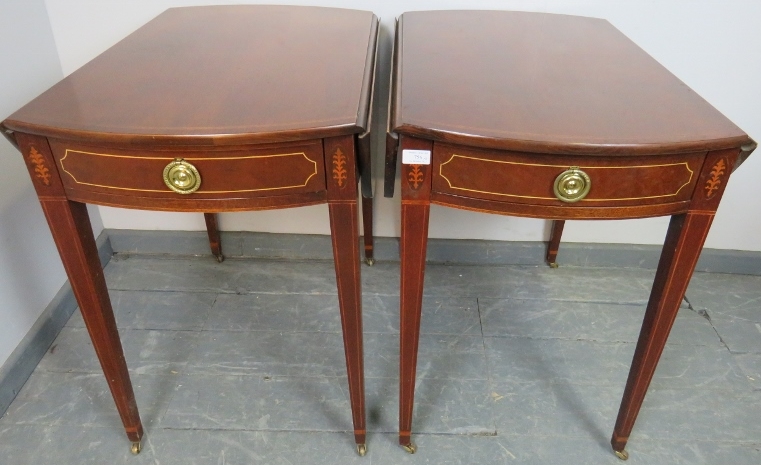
220, 258
361, 449
553, 265
411, 448
622, 454
136, 448
370, 261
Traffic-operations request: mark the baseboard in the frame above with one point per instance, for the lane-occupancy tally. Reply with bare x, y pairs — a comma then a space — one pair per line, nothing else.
24, 359
462, 251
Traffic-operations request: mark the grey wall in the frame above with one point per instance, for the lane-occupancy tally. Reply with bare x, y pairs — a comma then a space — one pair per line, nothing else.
30, 270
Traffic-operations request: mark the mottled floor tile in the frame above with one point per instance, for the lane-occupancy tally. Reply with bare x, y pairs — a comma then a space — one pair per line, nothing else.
617, 285
322, 404
156, 310
309, 312
380, 279
740, 335
610, 322
268, 353
77, 399
287, 246
275, 312
182, 311
726, 294
542, 450
589, 412
205, 447
146, 351
700, 451
699, 368
232, 275
552, 360
271, 353
697, 414
448, 406
607, 363
439, 356
169, 243
543, 408
48, 445
260, 403
447, 315
520, 449
436, 449
43, 445
750, 365
64, 444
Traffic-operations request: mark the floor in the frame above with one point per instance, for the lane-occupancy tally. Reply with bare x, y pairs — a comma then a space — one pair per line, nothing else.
242, 363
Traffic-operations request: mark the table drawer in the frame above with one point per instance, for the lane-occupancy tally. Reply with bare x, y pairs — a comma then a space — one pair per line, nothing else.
531, 178
238, 172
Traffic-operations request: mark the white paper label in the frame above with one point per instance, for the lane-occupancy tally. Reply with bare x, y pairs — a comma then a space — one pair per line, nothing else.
416, 157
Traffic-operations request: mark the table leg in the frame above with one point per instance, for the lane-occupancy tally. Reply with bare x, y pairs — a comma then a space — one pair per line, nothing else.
344, 221
416, 206
70, 225
367, 227
364, 163
214, 240
413, 244
344, 230
684, 241
554, 244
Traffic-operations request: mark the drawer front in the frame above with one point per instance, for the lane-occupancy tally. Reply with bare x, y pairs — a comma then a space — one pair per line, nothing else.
530, 178
224, 173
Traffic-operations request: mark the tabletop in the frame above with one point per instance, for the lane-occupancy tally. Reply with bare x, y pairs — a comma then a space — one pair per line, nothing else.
544, 83
218, 75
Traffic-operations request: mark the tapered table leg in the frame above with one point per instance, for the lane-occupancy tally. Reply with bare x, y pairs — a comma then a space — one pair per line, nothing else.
367, 229
684, 241
70, 225
344, 229
416, 205
554, 245
413, 250
215, 243
344, 221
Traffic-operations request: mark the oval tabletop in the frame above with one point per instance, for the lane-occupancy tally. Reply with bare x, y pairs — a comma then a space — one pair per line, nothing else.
544, 83
283, 73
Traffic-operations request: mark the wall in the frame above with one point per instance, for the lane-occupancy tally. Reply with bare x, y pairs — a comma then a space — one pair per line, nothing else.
711, 46
30, 272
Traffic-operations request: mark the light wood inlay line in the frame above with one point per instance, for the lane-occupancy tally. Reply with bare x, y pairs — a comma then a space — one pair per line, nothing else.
190, 159
563, 167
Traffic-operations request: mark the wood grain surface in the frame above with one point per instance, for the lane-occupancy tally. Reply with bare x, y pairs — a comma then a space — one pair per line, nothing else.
544, 83
217, 75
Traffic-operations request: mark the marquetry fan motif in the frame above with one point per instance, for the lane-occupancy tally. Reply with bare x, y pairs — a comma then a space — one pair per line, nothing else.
712, 185
415, 176
40, 170
339, 167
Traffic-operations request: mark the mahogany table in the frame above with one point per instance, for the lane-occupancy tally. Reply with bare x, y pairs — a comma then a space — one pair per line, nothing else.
209, 109
557, 117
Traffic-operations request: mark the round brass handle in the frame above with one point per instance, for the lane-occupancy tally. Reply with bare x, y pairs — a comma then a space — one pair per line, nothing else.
182, 177
572, 185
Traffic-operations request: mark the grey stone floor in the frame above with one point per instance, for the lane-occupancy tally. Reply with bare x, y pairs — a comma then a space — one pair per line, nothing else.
242, 363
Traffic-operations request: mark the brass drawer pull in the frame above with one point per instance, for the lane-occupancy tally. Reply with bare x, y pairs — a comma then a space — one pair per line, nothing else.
182, 177
572, 185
